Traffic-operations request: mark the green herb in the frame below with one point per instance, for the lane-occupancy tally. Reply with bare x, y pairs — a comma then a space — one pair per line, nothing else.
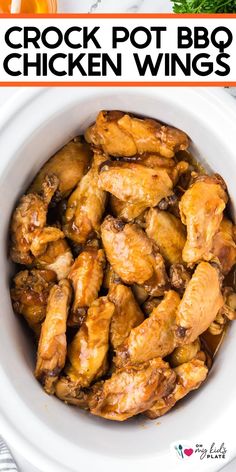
204, 6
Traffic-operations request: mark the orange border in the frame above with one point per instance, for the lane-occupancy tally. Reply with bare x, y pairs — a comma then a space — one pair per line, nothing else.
118, 16
118, 84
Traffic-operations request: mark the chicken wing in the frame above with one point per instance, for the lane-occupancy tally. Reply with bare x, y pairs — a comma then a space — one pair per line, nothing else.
29, 234
58, 257
200, 304
51, 353
149, 305
226, 313
126, 211
159, 282
152, 160
179, 277
29, 295
86, 276
140, 294
224, 247
189, 376
86, 205
185, 353
201, 210
127, 314
131, 390
119, 134
110, 278
135, 184
69, 165
87, 354
132, 255
168, 233
154, 337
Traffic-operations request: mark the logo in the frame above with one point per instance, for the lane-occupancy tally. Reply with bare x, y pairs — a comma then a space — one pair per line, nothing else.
185, 451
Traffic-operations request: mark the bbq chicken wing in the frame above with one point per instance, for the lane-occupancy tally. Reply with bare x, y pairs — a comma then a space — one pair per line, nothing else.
127, 314
168, 233
86, 205
87, 354
51, 353
126, 211
131, 390
179, 277
224, 247
58, 257
149, 305
132, 255
154, 337
226, 313
152, 160
189, 376
29, 295
69, 165
119, 134
135, 184
185, 353
200, 304
29, 233
158, 283
110, 278
201, 210
86, 276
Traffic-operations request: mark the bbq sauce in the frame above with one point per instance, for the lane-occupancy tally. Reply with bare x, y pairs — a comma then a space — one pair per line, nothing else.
30, 6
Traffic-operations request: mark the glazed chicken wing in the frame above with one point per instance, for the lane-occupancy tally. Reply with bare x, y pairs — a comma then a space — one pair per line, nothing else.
86, 276
149, 305
179, 277
119, 134
131, 390
200, 304
158, 283
110, 277
132, 255
127, 314
29, 295
29, 233
126, 211
184, 353
135, 184
154, 337
87, 354
51, 353
226, 313
168, 233
152, 160
58, 257
189, 376
201, 210
69, 165
224, 247
86, 205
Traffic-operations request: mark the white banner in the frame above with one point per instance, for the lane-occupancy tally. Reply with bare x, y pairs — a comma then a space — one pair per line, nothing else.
90, 49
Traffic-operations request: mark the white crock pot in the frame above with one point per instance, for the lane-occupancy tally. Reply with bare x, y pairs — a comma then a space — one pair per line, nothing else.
52, 435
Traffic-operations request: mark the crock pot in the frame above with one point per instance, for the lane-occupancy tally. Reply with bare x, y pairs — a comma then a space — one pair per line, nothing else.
51, 435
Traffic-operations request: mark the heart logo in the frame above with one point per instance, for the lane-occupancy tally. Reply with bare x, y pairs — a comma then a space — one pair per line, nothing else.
188, 452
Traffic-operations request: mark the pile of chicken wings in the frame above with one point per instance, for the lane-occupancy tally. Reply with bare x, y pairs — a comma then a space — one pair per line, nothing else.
125, 262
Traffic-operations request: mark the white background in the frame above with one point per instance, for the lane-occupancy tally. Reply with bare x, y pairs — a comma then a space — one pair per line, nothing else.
104, 37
